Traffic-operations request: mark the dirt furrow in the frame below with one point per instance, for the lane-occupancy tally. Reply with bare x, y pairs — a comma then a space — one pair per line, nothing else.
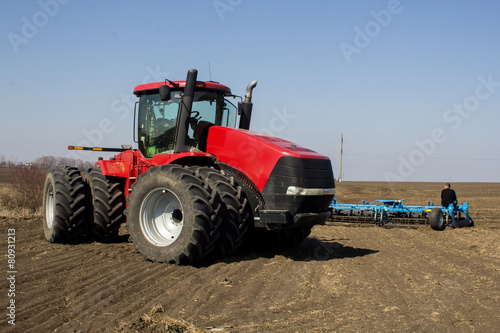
346, 279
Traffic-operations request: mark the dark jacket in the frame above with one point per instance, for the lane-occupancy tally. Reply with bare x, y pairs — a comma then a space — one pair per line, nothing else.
448, 196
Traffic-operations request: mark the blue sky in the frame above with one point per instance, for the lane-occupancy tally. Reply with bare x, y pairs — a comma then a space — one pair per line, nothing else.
414, 86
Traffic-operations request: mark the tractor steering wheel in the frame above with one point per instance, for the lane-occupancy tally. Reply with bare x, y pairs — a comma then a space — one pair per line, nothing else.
194, 119
196, 115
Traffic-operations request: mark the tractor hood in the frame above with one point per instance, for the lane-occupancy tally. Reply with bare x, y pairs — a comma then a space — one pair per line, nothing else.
253, 153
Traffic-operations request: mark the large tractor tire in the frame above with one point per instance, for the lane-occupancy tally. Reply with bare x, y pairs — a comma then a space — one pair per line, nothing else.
172, 215
436, 219
107, 205
64, 206
234, 211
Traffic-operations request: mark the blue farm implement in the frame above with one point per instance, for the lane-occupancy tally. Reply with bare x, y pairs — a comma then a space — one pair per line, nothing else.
394, 213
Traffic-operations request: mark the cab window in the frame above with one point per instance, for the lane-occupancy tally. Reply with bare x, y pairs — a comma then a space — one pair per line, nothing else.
158, 120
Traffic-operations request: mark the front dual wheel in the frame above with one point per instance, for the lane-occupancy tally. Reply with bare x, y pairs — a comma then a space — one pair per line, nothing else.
173, 215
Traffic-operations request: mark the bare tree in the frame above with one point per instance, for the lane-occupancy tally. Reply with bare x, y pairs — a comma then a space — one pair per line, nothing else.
46, 162
27, 183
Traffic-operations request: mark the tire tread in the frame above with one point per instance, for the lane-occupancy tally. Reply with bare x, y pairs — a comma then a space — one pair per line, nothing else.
69, 225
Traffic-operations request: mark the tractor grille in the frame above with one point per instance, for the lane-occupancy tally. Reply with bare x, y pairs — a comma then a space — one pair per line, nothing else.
305, 173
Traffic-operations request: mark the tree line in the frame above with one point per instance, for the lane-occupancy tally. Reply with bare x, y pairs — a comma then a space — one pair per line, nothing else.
45, 162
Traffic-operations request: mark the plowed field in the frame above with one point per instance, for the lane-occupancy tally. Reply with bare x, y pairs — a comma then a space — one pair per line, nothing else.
342, 278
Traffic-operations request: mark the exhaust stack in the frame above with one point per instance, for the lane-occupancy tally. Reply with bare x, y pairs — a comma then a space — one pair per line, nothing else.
245, 108
185, 112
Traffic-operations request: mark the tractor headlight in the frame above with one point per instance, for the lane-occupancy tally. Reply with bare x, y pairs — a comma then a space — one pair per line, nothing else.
295, 190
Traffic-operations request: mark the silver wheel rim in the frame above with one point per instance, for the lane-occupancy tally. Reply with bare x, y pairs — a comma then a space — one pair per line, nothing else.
161, 217
49, 207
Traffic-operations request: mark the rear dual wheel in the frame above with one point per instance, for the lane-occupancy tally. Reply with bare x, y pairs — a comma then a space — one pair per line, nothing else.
106, 204
79, 206
64, 206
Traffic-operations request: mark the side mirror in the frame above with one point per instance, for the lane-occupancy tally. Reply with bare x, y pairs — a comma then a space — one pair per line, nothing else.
164, 93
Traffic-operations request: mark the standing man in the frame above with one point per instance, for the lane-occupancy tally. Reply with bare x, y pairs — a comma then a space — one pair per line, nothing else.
448, 196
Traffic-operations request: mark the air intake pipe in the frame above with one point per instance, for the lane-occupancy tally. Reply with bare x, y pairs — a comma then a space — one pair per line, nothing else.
185, 113
245, 108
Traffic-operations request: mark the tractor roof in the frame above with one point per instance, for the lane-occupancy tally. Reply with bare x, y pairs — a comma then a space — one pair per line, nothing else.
205, 85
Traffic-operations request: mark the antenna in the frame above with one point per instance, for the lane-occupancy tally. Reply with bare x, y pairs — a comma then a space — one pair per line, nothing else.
341, 153
209, 72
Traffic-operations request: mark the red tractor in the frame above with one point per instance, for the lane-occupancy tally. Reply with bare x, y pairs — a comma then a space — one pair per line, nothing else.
196, 187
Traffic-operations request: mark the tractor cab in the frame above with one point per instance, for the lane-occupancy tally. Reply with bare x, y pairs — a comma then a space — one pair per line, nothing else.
158, 115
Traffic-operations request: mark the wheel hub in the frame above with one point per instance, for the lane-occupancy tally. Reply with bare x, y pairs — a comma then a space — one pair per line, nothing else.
161, 217
49, 207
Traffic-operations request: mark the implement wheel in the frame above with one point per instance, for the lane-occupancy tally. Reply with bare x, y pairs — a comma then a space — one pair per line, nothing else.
172, 215
436, 219
107, 206
64, 206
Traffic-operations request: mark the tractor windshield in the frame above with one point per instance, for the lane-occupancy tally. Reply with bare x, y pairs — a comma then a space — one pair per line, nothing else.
158, 120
